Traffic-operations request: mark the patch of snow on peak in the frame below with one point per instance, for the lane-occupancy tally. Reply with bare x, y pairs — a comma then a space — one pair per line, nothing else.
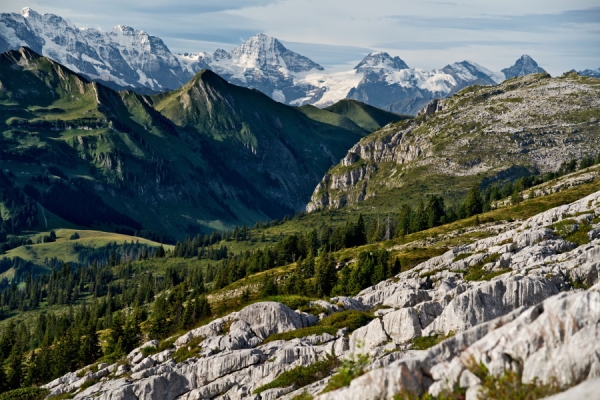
497, 77
278, 95
435, 81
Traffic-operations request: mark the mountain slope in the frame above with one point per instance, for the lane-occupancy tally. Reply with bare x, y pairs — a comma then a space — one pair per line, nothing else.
525, 125
274, 146
465, 304
97, 158
367, 117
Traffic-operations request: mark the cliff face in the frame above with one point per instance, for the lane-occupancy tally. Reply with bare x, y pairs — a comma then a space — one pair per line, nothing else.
533, 122
508, 299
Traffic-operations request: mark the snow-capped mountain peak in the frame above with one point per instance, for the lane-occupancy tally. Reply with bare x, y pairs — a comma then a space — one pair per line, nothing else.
28, 12
470, 72
123, 57
525, 65
378, 61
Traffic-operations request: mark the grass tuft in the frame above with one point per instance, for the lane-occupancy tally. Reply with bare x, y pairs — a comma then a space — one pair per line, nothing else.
302, 376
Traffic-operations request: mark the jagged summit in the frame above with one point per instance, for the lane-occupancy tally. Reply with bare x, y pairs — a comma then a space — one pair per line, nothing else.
121, 58
525, 65
261, 50
380, 61
27, 12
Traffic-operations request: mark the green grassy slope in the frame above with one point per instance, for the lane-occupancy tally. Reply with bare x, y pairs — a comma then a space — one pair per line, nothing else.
207, 156
367, 117
65, 249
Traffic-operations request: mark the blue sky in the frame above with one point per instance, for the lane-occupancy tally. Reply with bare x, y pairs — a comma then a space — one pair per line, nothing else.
560, 35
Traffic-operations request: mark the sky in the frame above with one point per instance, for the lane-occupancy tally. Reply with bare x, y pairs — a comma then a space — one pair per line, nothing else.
559, 35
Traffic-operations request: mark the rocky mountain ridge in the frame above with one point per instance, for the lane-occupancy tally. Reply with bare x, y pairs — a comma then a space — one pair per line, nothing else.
122, 58
523, 125
131, 59
531, 279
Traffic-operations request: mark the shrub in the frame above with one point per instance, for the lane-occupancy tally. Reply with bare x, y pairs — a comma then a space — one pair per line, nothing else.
478, 273
303, 396
462, 256
510, 385
188, 350
425, 342
349, 370
162, 346
350, 319
573, 231
30, 393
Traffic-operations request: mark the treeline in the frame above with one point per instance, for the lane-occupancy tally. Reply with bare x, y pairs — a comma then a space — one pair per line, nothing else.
321, 278
23, 211
147, 234
69, 284
59, 343
114, 253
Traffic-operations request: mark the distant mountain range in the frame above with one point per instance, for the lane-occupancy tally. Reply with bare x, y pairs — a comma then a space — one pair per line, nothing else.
128, 58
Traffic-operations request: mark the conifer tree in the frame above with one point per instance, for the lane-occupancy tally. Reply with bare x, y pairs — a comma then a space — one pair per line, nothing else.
325, 274
473, 203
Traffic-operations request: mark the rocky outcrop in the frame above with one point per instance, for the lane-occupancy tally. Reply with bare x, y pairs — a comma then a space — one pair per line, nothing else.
556, 339
501, 131
527, 318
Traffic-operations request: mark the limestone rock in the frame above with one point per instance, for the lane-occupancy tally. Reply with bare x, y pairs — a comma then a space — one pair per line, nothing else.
489, 301
368, 337
402, 325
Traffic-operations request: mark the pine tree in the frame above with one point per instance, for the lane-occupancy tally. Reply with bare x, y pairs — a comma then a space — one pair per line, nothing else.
159, 327
395, 268
160, 253
268, 286
325, 275
473, 204
359, 234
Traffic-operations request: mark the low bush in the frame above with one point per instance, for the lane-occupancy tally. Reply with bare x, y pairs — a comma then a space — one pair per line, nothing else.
510, 385
478, 273
303, 396
573, 231
192, 349
462, 256
30, 393
349, 370
162, 346
425, 342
